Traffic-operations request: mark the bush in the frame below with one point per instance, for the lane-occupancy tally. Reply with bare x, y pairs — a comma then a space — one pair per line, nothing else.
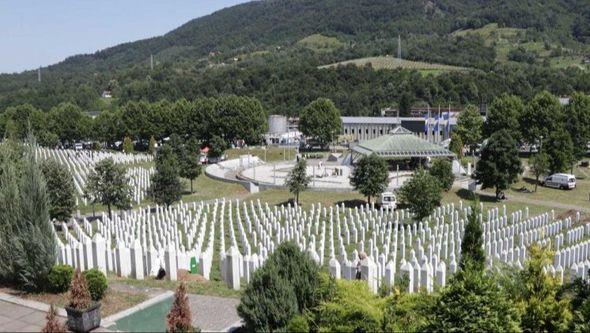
79, 297
97, 283
60, 278
298, 324
269, 301
353, 309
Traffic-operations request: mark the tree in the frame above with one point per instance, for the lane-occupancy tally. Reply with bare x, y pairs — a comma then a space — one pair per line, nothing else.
127, 145
191, 166
297, 179
108, 185
179, 317
472, 255
539, 166
560, 151
320, 120
239, 118
456, 145
577, 123
217, 146
60, 189
469, 126
166, 187
25, 228
370, 176
405, 105
286, 284
442, 170
543, 311
422, 193
504, 113
69, 123
472, 302
499, 165
542, 115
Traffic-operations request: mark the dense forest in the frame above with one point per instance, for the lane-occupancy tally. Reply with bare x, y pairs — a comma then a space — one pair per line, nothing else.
254, 50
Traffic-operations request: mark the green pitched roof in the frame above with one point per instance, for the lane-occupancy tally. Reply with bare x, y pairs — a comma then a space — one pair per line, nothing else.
401, 142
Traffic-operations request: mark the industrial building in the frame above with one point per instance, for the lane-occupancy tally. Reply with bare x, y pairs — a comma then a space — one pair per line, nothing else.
434, 129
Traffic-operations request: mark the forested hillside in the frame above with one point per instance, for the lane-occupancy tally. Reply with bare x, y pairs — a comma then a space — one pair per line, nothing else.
266, 48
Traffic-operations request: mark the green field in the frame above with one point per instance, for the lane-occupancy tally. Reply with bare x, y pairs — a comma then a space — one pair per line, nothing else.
320, 43
389, 62
505, 39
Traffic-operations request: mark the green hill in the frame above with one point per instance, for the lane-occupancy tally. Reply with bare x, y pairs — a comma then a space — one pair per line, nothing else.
275, 35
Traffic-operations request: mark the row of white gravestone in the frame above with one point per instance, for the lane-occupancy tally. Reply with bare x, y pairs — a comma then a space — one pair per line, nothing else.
390, 239
81, 163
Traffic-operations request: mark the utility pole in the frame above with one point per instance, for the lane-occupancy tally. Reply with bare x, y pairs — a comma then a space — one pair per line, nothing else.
39, 74
152, 62
399, 49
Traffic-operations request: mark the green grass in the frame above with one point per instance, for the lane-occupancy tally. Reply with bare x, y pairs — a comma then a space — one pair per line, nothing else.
209, 288
271, 154
307, 198
320, 43
388, 62
491, 31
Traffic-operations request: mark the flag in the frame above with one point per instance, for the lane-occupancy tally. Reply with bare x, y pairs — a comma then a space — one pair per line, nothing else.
426, 124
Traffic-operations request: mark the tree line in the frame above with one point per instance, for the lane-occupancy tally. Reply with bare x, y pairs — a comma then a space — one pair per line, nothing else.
229, 117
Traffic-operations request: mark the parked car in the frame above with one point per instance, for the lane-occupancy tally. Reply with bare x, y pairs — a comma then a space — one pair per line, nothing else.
560, 180
78, 146
387, 200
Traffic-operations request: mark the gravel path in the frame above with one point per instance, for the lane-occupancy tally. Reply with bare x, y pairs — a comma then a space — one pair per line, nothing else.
214, 314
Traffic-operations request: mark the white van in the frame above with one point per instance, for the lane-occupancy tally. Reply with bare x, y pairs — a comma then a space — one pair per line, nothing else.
561, 180
78, 146
387, 200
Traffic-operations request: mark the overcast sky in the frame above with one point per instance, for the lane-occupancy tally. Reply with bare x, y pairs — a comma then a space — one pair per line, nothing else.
37, 33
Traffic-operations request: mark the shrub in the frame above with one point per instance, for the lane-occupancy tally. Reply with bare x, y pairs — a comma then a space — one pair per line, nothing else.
53, 325
97, 283
269, 301
298, 324
79, 297
60, 278
353, 309
179, 317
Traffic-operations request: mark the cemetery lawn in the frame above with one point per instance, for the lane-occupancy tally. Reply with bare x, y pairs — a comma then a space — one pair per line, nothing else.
273, 153
307, 198
205, 188
114, 300
199, 286
578, 196
488, 201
